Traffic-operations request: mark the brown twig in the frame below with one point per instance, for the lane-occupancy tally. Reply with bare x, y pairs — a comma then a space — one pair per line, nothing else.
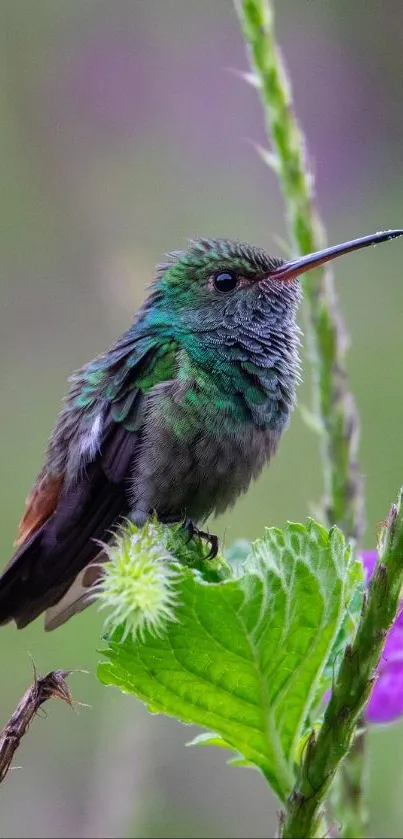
42, 689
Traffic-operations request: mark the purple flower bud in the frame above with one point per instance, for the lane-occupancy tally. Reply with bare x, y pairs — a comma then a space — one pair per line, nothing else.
386, 701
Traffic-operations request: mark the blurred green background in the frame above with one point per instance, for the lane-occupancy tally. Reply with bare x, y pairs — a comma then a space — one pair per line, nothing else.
124, 131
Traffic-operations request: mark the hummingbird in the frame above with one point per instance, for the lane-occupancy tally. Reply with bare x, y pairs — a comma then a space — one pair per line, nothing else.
175, 420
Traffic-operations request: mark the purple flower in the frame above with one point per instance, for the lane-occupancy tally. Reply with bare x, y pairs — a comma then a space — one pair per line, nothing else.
386, 701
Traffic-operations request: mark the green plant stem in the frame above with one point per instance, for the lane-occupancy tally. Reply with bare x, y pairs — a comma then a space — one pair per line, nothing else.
334, 405
346, 791
352, 687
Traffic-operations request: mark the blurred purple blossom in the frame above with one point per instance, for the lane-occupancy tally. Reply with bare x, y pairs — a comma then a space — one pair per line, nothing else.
121, 78
386, 701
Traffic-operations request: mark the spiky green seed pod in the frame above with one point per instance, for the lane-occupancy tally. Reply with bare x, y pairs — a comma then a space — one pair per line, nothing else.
138, 585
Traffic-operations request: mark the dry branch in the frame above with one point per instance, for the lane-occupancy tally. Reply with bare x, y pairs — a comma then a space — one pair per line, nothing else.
42, 689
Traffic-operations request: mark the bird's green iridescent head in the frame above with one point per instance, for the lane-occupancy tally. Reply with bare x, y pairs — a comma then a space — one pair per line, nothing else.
218, 278
232, 308
214, 269
221, 303
215, 275
223, 294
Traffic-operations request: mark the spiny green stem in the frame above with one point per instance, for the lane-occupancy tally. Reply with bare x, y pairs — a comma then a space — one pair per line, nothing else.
352, 687
346, 792
333, 402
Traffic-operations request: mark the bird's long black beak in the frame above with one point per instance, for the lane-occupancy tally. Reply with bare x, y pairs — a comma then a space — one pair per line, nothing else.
291, 270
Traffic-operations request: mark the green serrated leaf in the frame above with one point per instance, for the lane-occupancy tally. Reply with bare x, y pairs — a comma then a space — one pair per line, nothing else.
245, 657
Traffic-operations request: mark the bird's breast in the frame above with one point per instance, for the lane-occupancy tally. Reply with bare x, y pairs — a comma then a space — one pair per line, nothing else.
199, 453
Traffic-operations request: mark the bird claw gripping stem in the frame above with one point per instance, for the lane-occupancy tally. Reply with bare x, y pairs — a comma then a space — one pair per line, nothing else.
194, 532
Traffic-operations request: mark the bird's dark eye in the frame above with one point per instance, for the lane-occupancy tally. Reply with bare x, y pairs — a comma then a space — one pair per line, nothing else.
225, 281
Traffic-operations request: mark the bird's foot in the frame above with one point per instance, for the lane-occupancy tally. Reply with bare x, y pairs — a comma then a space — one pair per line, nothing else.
194, 531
